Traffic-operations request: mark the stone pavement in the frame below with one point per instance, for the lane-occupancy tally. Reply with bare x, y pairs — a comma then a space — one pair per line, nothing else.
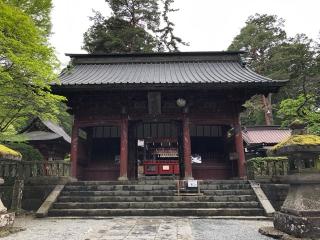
138, 228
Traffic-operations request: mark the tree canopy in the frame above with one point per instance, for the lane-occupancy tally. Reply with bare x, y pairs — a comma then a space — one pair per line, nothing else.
27, 67
135, 26
38, 10
258, 37
114, 35
271, 53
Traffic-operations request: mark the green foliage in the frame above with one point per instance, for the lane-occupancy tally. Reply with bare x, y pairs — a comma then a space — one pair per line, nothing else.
295, 59
38, 10
28, 152
299, 99
143, 13
258, 37
64, 119
253, 115
135, 26
296, 108
115, 35
27, 66
271, 54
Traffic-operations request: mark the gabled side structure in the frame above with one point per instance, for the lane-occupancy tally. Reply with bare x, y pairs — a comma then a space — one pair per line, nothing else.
258, 139
49, 138
159, 114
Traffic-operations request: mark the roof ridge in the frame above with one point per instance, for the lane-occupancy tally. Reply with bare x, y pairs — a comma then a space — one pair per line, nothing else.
137, 54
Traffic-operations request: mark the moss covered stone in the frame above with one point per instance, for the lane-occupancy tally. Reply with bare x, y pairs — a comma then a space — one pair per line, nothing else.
8, 153
298, 140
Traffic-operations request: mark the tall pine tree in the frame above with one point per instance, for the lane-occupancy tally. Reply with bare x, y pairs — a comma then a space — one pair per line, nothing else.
168, 41
135, 26
260, 35
274, 55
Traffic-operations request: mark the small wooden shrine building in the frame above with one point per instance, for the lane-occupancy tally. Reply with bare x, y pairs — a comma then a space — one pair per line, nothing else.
49, 138
159, 114
258, 139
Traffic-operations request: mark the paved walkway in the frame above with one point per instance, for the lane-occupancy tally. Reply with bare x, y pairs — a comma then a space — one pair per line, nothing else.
138, 228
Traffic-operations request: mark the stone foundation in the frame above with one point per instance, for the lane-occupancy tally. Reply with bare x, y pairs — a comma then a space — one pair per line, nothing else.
35, 191
276, 193
302, 227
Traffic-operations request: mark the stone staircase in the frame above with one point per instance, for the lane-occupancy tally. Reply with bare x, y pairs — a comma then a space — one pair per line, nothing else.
155, 198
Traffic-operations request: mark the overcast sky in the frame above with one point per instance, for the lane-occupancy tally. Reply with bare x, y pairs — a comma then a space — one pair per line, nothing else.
208, 25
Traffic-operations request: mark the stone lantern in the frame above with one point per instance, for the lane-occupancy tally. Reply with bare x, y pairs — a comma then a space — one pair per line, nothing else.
300, 214
7, 218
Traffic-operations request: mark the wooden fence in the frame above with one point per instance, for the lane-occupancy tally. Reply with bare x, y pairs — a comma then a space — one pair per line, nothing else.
28, 169
267, 169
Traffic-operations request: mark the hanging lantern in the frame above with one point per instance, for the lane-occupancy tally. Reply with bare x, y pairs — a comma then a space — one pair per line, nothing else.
181, 102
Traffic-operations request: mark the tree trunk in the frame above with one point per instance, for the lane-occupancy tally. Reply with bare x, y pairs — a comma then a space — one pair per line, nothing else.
267, 108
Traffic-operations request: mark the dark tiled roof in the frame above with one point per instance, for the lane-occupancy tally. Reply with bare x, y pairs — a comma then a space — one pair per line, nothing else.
269, 135
40, 135
165, 68
46, 131
57, 130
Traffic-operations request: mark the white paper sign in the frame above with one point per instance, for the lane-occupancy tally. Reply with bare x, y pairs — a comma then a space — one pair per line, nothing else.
166, 167
140, 143
192, 183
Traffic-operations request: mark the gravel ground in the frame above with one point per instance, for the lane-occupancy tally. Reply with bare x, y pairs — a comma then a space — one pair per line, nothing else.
138, 228
215, 229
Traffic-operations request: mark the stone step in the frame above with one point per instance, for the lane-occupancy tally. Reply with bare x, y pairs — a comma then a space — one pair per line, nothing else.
227, 198
154, 193
153, 205
134, 182
150, 187
152, 182
159, 212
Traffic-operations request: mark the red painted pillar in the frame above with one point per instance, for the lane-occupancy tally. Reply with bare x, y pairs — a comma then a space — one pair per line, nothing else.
123, 150
187, 148
239, 148
74, 150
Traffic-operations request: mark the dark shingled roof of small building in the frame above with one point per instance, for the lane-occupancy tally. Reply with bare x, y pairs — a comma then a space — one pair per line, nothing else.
48, 131
181, 68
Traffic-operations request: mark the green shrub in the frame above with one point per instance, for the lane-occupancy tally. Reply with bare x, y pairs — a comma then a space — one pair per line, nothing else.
267, 159
28, 152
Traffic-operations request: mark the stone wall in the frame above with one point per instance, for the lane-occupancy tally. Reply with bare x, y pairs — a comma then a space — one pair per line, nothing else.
276, 193
35, 191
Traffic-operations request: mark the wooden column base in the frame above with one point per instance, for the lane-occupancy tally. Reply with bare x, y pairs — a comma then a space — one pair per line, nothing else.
123, 178
188, 178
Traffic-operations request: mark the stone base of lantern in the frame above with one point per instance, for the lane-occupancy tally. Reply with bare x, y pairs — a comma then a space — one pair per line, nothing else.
302, 227
6, 220
300, 214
